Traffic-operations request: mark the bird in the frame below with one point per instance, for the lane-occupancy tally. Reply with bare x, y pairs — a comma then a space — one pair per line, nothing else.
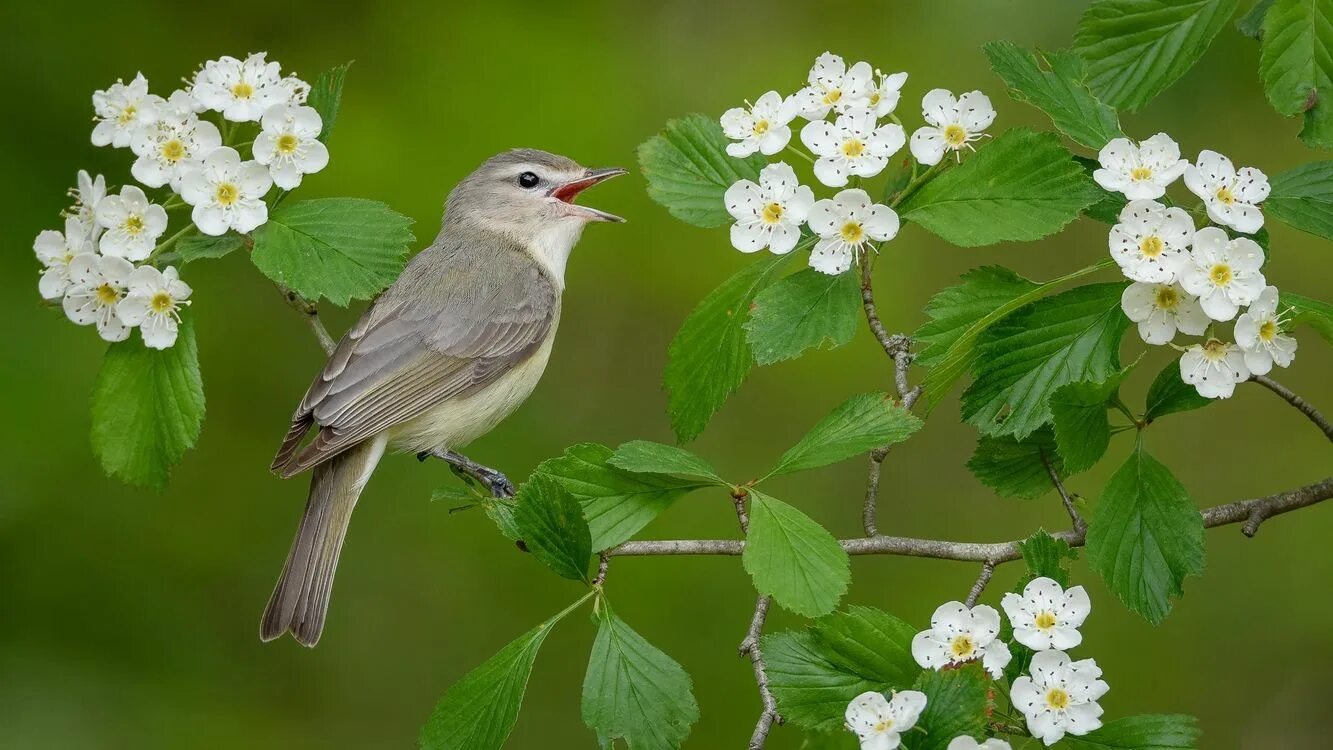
438, 359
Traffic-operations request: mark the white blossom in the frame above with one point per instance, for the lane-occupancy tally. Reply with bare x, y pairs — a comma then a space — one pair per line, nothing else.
770, 213
132, 224
293, 91
1047, 616
56, 250
958, 634
852, 145
833, 87
1060, 697
967, 743
1140, 171
242, 90
97, 285
1214, 368
953, 123
122, 108
1231, 197
845, 224
1151, 242
152, 303
764, 127
878, 722
172, 145
289, 144
1161, 310
1259, 335
87, 194
1223, 273
227, 193
882, 97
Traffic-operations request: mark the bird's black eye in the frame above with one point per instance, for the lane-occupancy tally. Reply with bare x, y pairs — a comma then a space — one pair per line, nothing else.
528, 180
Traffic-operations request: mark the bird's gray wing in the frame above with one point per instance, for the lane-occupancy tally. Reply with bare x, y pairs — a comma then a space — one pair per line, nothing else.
455, 321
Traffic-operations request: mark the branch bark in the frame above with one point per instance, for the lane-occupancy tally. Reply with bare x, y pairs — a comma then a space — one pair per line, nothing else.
310, 312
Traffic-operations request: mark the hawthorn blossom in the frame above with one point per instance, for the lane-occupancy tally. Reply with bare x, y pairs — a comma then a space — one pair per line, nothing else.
833, 87
1259, 335
1214, 368
967, 743
1223, 272
764, 127
56, 250
1060, 697
1140, 171
1231, 196
87, 194
852, 145
153, 303
958, 634
1161, 310
241, 90
292, 91
171, 146
845, 224
882, 97
132, 224
1151, 242
1047, 616
227, 193
289, 144
121, 109
770, 213
878, 722
953, 123
97, 285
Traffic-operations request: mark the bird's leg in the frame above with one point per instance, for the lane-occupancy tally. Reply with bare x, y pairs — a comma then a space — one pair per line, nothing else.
495, 482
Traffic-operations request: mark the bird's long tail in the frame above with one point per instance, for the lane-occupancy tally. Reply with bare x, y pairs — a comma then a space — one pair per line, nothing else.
301, 598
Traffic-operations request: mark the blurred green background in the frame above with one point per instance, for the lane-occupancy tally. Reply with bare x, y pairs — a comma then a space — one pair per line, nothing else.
128, 619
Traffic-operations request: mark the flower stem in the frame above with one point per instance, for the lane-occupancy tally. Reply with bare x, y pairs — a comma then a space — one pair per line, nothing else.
168, 242
801, 153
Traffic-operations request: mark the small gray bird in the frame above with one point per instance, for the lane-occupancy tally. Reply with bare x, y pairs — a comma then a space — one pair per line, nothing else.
454, 346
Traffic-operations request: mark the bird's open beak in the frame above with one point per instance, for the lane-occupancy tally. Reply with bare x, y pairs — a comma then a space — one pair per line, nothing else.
567, 192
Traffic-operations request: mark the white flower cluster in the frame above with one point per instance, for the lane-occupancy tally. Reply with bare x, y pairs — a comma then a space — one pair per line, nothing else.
854, 145
1188, 279
91, 264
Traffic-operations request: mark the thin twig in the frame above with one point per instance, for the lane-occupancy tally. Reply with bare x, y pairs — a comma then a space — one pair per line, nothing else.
1305, 407
603, 564
872, 314
987, 570
311, 314
1077, 520
750, 647
897, 346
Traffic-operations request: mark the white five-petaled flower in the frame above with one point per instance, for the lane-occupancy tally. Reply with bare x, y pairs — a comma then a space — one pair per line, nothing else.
122, 108
878, 721
227, 193
88, 193
1214, 368
958, 634
764, 127
770, 213
954, 123
1140, 171
97, 285
1231, 196
152, 303
967, 743
242, 90
132, 224
882, 97
1060, 697
1259, 335
289, 144
833, 87
1047, 616
293, 91
1223, 272
56, 250
1161, 310
845, 224
1151, 243
171, 146
851, 146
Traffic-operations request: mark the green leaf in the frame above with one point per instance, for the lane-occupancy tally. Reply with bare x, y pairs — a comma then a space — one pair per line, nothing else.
1314, 313
1082, 429
1023, 359
326, 96
501, 513
1143, 732
1296, 64
1169, 394
339, 248
1047, 557
688, 170
1137, 48
956, 703
647, 457
1303, 198
194, 247
870, 643
857, 425
709, 357
1108, 207
812, 692
1022, 186
1017, 468
147, 408
1059, 92
1252, 23
553, 527
806, 310
635, 692
1146, 536
793, 559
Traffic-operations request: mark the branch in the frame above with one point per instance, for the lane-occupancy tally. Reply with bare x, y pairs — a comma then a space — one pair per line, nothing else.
987, 570
1080, 525
311, 314
868, 302
750, 644
898, 348
1301, 404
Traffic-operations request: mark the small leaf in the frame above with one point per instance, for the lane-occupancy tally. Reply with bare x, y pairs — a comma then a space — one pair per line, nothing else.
689, 170
1296, 64
1046, 557
859, 424
1078, 414
553, 527
194, 247
956, 704
501, 513
870, 643
647, 457
1059, 92
1303, 198
811, 690
1017, 468
326, 96
1252, 23
148, 408
1312, 312
1169, 394
633, 691
1143, 732
793, 559
806, 310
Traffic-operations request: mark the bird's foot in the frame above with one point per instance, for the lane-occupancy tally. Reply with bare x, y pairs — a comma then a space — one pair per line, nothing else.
495, 482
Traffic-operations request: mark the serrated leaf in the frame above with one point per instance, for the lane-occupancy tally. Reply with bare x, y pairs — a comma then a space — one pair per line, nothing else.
1137, 48
501, 513
857, 425
1024, 358
1060, 92
812, 692
201, 246
633, 691
806, 310
1303, 198
956, 703
1146, 536
1296, 64
1017, 468
147, 408
689, 170
709, 357
326, 96
1143, 732
1046, 556
955, 309
1252, 23
793, 559
553, 528
1315, 313
870, 643
338, 248
647, 457
1169, 394
1078, 414
1022, 186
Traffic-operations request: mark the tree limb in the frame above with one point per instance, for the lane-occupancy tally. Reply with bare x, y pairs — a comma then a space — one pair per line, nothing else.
311, 314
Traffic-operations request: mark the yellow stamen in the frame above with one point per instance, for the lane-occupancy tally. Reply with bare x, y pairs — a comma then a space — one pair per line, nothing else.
883, 726
1045, 620
832, 96
1225, 195
853, 148
1268, 330
1220, 274
1139, 174
761, 127
962, 647
107, 294
772, 213
162, 303
852, 233
227, 194
1214, 350
1152, 246
1057, 699
173, 150
133, 225
242, 90
128, 114
287, 143
955, 135
1166, 297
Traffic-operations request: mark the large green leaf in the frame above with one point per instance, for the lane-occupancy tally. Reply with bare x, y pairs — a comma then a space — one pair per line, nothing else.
1017, 468
688, 170
147, 408
812, 691
868, 642
1303, 198
647, 457
709, 357
1143, 732
793, 559
1082, 429
1137, 48
633, 691
1296, 64
956, 705
553, 527
339, 248
1022, 186
857, 425
1023, 359
806, 310
1146, 536
326, 96
1060, 92
1169, 394
1315, 313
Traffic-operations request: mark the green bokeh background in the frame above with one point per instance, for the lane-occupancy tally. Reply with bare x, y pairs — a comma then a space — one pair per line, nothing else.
129, 619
